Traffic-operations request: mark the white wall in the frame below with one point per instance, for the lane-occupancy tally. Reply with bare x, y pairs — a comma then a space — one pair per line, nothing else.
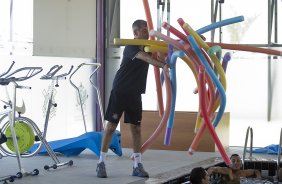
64, 28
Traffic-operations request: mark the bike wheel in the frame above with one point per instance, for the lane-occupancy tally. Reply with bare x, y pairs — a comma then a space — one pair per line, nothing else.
26, 131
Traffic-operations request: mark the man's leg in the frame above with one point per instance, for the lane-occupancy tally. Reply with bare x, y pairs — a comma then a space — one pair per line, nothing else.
107, 137
136, 137
138, 169
106, 140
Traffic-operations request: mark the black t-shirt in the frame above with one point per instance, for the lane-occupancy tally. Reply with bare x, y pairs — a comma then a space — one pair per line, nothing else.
131, 78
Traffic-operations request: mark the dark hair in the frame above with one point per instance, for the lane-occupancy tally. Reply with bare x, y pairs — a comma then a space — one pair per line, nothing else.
234, 155
137, 24
197, 174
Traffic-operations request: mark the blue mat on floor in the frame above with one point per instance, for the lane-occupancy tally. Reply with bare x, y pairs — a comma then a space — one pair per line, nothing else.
271, 149
74, 146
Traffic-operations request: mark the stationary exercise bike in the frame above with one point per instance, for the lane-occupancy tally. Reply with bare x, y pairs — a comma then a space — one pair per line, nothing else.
9, 133
90, 140
54, 77
32, 133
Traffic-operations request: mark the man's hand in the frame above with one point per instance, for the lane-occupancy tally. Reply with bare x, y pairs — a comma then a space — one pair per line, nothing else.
165, 64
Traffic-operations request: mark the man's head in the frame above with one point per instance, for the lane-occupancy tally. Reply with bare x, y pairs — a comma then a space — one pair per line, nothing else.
140, 29
236, 162
199, 176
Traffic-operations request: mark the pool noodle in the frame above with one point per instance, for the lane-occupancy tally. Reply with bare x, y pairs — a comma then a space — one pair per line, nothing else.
211, 27
218, 52
178, 46
225, 60
202, 126
239, 47
198, 136
202, 97
199, 119
170, 122
153, 48
156, 69
218, 67
220, 24
167, 39
164, 119
235, 46
216, 81
247, 48
200, 130
118, 41
181, 22
174, 31
205, 116
222, 98
182, 37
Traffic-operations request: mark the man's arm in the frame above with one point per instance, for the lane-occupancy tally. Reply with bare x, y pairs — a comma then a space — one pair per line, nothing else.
252, 172
219, 170
148, 58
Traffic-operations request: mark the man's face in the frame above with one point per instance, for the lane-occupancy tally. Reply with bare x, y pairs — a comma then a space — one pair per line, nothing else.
235, 163
142, 33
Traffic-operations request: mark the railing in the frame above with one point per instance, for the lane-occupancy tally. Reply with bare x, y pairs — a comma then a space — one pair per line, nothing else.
250, 129
279, 154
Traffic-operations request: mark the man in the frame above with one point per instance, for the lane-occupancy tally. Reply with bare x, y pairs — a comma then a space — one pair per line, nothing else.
129, 83
233, 173
199, 176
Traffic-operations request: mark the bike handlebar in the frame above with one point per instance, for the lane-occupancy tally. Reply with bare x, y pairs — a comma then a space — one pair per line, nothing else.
30, 72
98, 65
51, 74
9, 69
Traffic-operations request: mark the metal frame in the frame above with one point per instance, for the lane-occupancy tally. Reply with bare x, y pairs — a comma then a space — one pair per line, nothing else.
272, 23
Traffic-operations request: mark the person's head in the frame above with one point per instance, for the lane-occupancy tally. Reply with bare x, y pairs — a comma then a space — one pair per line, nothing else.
140, 29
236, 162
199, 175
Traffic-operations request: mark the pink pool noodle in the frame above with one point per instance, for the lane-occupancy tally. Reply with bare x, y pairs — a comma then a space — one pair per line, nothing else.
156, 69
165, 117
202, 93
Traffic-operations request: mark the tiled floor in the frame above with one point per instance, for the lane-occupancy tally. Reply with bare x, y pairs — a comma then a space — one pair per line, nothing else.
163, 166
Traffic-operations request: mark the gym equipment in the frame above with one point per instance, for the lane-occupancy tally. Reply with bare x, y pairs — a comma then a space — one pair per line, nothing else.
9, 132
11, 178
26, 131
54, 77
90, 140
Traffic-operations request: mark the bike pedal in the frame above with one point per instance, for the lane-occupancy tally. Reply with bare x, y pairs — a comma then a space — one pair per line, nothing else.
36, 138
3, 138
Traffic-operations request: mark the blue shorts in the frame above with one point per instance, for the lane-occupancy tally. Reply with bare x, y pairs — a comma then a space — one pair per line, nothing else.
130, 105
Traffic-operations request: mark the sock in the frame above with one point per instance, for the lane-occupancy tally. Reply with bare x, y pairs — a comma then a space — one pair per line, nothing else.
102, 157
137, 159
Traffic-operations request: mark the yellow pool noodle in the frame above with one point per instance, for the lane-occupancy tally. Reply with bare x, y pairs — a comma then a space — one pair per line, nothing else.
155, 48
118, 41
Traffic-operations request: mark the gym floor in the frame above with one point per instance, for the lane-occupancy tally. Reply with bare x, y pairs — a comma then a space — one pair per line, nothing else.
163, 166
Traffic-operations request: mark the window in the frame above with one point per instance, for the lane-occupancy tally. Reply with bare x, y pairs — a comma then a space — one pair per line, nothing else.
16, 27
